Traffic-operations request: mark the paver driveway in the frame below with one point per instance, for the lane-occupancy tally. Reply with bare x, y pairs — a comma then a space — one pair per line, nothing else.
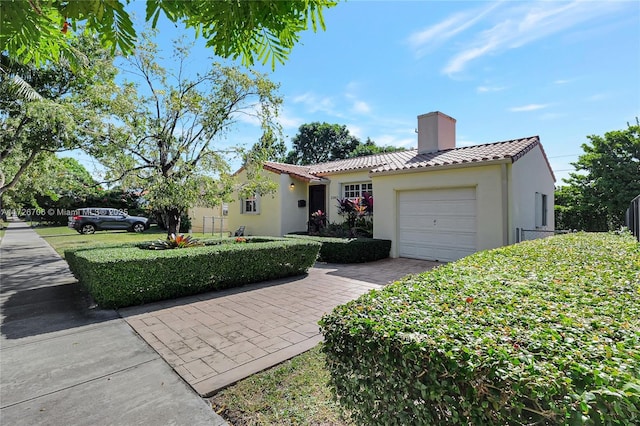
217, 338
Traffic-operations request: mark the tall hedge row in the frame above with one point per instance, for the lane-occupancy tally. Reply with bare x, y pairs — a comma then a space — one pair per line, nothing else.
129, 275
539, 333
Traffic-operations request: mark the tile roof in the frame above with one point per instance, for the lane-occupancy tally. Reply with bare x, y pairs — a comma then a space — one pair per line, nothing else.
411, 160
513, 150
299, 172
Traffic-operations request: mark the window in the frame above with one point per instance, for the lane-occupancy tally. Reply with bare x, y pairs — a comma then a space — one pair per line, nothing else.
357, 190
541, 210
251, 205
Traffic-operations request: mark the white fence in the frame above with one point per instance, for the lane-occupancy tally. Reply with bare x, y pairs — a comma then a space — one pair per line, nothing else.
214, 225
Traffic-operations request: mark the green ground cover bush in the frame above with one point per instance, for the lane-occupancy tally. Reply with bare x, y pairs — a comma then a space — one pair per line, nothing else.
539, 333
349, 250
127, 274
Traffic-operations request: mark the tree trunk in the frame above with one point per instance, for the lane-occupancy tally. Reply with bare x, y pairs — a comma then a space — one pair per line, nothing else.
171, 219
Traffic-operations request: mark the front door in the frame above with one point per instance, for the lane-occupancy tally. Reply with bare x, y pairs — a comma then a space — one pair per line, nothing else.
317, 200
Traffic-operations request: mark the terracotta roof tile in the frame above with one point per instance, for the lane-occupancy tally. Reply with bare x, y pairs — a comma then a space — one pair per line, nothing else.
299, 172
408, 160
513, 150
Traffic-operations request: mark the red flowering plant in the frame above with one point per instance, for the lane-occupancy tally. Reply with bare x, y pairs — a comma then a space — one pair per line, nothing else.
241, 240
358, 212
318, 222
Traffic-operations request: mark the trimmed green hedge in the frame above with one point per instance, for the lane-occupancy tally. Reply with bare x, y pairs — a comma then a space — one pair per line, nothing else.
543, 332
349, 250
128, 275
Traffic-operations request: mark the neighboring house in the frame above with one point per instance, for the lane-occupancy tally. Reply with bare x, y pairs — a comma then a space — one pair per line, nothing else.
438, 202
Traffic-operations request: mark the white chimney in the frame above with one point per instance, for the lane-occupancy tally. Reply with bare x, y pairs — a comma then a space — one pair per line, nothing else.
436, 131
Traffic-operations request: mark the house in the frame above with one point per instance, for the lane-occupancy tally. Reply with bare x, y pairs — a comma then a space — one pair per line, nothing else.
436, 202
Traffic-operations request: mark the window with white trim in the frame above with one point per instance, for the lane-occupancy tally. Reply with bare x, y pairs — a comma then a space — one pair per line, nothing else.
251, 205
356, 190
541, 210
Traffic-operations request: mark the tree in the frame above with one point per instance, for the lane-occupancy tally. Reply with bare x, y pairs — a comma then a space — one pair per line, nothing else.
320, 142
370, 148
66, 113
268, 148
38, 31
47, 182
163, 131
607, 178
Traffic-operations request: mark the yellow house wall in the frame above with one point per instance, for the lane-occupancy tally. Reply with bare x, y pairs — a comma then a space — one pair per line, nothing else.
489, 189
267, 221
294, 218
203, 216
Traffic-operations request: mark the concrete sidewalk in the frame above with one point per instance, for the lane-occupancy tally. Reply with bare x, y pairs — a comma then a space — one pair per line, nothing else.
62, 363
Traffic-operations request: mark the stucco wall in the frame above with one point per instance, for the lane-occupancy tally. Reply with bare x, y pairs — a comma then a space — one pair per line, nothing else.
294, 218
267, 221
203, 216
486, 180
530, 174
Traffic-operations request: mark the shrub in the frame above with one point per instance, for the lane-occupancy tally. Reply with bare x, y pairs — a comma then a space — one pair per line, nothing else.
175, 242
354, 250
128, 275
542, 332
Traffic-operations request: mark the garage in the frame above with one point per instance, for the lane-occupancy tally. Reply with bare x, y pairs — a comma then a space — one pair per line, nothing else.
437, 224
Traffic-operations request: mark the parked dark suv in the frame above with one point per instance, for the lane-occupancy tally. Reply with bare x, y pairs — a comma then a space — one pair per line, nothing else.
92, 219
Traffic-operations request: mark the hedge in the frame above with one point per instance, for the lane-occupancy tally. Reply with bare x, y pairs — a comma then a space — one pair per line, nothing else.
542, 332
349, 250
128, 275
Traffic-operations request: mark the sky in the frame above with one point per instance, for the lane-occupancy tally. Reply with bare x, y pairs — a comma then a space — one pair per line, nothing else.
503, 70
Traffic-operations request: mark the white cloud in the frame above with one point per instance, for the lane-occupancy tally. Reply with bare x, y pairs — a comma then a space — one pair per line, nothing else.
523, 23
562, 81
289, 121
314, 103
488, 89
423, 41
355, 130
361, 107
530, 107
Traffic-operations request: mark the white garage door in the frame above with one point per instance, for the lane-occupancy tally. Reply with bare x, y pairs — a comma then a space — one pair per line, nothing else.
437, 224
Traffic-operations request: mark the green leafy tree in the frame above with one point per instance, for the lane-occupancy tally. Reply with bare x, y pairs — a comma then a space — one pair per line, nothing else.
607, 178
370, 148
51, 182
59, 108
320, 142
269, 148
38, 31
167, 132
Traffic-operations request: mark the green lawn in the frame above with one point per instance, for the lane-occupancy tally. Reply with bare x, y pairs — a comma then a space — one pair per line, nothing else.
292, 393
62, 238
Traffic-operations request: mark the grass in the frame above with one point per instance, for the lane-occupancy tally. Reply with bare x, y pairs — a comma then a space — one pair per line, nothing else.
292, 393
62, 238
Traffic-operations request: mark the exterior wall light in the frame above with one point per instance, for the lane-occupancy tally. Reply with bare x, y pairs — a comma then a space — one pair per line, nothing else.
292, 186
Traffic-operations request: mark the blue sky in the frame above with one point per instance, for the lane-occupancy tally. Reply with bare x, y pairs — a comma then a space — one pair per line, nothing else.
504, 70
